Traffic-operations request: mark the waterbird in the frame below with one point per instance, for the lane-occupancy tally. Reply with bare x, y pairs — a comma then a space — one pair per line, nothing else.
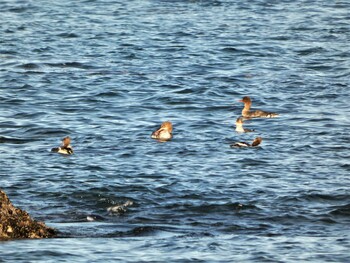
120, 209
246, 112
65, 148
164, 133
255, 143
239, 125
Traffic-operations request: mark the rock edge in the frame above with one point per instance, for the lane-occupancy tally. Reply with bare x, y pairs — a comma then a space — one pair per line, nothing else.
16, 223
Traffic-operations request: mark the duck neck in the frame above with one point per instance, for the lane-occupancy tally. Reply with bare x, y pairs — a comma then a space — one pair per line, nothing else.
239, 127
246, 107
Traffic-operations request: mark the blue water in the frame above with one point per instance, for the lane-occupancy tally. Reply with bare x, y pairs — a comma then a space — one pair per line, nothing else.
107, 73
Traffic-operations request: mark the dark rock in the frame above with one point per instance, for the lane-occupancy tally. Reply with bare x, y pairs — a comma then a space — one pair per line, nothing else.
16, 223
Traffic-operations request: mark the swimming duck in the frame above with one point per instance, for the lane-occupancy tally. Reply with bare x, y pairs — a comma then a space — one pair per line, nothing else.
164, 133
256, 142
246, 112
65, 148
239, 125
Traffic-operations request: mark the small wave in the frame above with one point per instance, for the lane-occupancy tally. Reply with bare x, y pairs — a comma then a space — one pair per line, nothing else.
318, 67
341, 211
14, 140
68, 35
29, 66
323, 197
196, 235
211, 208
69, 65
309, 51
230, 50
135, 232
21, 9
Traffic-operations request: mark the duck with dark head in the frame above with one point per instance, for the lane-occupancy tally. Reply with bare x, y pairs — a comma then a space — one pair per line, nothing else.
257, 141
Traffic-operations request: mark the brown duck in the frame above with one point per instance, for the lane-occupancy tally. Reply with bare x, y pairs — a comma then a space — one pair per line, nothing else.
247, 113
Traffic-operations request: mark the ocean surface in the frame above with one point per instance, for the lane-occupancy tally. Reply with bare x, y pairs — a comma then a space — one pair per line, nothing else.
108, 73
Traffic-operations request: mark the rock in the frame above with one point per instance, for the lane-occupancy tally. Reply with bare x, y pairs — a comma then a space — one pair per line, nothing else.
16, 223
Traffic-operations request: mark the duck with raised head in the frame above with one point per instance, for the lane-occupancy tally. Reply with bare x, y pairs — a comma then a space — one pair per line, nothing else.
239, 125
164, 133
247, 113
65, 148
255, 143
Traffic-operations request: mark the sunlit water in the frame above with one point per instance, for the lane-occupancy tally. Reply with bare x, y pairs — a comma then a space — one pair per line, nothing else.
107, 73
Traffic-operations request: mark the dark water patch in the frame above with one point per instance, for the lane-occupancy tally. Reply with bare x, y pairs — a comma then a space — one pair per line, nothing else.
8, 52
14, 140
29, 66
95, 230
288, 219
326, 220
231, 50
9, 31
9, 124
108, 94
250, 161
42, 50
54, 131
107, 72
342, 211
13, 101
35, 132
28, 115
32, 72
135, 232
183, 91
210, 208
51, 254
25, 87
196, 234
302, 28
185, 34
18, 10
318, 67
324, 197
77, 65
310, 51
94, 168
280, 38
321, 119
68, 35
346, 166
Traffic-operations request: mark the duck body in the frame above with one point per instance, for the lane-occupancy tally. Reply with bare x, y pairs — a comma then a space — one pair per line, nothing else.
255, 143
239, 126
65, 148
259, 114
247, 113
164, 133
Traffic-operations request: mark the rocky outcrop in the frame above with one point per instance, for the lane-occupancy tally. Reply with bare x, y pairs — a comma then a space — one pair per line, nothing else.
16, 223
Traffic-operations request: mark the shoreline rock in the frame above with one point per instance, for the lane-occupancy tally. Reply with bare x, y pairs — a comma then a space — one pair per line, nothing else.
16, 223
